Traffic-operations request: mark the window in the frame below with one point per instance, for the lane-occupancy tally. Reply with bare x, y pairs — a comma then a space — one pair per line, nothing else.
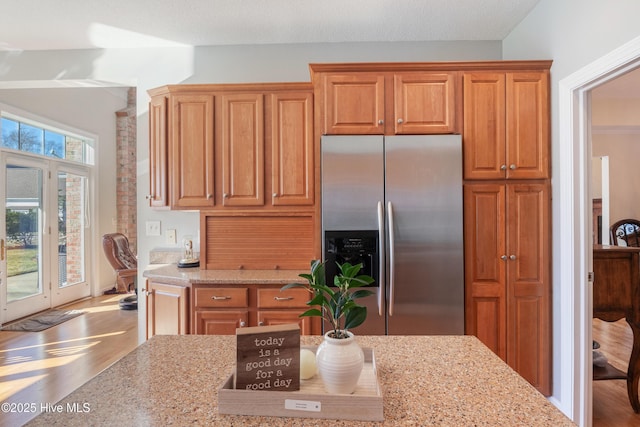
33, 138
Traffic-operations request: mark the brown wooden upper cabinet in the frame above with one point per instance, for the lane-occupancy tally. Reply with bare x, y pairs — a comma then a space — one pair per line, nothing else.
159, 181
506, 125
191, 147
243, 149
231, 146
389, 103
292, 154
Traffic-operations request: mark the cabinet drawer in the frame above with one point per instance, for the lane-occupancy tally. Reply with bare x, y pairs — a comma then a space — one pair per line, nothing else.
274, 298
221, 297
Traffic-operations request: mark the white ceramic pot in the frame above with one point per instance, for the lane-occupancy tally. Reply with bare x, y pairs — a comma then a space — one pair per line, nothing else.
340, 363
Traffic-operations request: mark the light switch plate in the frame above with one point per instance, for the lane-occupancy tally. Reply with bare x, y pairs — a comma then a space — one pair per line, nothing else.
153, 228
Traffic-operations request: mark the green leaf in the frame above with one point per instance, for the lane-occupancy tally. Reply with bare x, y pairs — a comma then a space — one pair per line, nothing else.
355, 317
293, 285
361, 293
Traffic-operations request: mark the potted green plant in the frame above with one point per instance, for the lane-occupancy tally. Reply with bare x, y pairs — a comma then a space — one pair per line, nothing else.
339, 358
336, 304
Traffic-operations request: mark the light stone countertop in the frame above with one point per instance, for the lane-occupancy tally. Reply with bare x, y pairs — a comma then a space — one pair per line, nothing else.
171, 274
425, 381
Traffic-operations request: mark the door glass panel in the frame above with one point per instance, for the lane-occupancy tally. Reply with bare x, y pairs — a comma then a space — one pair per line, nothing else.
23, 231
71, 228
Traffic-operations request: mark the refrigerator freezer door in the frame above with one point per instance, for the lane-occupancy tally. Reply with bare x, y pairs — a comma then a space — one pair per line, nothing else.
424, 185
353, 199
352, 182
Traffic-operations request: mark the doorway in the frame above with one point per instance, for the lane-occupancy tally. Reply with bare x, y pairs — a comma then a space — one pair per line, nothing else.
44, 252
574, 336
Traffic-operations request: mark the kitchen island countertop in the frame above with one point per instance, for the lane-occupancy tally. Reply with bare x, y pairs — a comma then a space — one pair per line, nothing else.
425, 381
170, 273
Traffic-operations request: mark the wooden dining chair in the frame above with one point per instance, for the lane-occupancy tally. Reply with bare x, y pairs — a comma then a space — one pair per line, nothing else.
625, 232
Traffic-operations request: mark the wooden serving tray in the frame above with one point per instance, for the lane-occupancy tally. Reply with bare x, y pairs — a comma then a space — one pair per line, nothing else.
311, 401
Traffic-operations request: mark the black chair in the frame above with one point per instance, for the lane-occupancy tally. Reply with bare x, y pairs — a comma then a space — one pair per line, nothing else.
625, 232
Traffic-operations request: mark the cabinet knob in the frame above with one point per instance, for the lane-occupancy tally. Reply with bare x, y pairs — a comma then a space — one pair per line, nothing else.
503, 167
512, 257
275, 195
261, 323
209, 196
381, 122
503, 257
225, 195
512, 166
145, 292
243, 324
148, 197
400, 121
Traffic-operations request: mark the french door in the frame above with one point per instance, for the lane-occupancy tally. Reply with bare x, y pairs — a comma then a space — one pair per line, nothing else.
43, 251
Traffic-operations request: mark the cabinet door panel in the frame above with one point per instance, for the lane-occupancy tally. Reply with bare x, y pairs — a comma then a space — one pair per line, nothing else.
424, 103
527, 132
158, 167
216, 322
167, 310
484, 126
292, 159
528, 289
192, 151
485, 269
243, 150
354, 104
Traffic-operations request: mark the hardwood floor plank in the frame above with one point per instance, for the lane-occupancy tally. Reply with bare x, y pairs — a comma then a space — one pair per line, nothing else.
611, 407
39, 368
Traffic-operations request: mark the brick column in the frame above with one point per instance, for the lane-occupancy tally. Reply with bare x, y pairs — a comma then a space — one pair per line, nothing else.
126, 175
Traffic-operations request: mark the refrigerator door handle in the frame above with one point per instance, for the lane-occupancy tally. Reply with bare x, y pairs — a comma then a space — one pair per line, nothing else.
392, 260
381, 266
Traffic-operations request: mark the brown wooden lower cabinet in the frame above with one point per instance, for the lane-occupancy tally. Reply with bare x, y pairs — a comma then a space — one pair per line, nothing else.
219, 322
507, 274
167, 309
220, 309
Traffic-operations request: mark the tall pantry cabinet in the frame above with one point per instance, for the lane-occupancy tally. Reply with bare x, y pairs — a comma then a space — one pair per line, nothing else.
507, 217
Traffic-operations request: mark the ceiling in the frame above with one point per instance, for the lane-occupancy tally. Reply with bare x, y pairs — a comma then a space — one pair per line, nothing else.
89, 24
85, 24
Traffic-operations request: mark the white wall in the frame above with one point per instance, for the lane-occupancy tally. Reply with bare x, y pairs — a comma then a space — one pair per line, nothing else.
573, 33
90, 110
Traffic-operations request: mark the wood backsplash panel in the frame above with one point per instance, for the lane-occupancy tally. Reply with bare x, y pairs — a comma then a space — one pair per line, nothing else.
258, 242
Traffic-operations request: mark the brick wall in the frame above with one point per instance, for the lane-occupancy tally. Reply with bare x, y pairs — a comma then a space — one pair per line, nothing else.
126, 175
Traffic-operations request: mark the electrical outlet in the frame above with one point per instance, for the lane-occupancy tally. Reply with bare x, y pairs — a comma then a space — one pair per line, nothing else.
153, 228
171, 237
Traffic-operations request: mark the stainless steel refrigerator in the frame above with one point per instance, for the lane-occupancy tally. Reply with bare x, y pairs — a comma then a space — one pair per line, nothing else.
394, 203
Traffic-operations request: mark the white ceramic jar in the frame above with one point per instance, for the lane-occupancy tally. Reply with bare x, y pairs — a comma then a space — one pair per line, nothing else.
340, 362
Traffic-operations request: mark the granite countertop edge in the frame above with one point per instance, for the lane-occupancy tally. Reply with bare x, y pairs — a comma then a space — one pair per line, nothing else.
172, 274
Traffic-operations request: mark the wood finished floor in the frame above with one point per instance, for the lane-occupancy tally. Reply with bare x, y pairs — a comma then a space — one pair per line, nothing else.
611, 407
43, 367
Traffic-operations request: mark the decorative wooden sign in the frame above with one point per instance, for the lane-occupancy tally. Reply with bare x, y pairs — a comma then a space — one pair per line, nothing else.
268, 358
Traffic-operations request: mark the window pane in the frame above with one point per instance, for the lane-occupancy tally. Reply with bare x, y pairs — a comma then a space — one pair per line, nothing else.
36, 139
53, 144
31, 138
23, 231
71, 227
9, 134
74, 149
